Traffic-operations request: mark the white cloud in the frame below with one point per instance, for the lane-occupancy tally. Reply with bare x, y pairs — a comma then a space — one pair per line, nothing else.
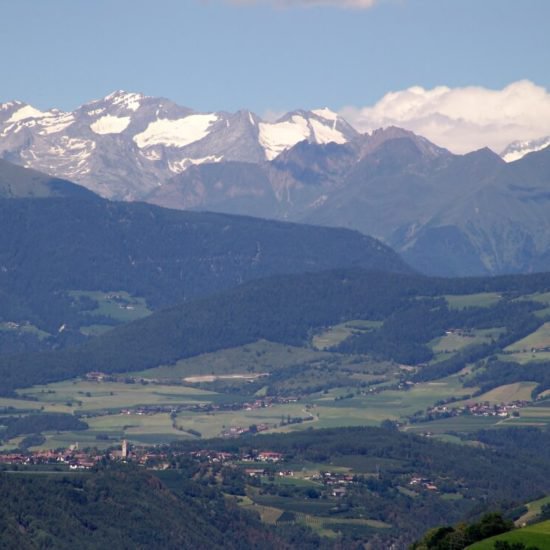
348, 4
462, 119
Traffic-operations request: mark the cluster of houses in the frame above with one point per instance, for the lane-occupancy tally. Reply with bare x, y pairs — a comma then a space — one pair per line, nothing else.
76, 460
79, 459
503, 410
426, 483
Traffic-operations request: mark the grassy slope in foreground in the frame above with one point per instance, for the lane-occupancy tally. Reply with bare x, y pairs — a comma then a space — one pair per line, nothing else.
537, 535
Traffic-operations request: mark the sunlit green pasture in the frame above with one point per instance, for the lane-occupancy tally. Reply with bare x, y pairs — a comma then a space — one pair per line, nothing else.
87, 396
482, 299
537, 535
518, 391
116, 304
459, 424
213, 423
533, 510
338, 333
258, 357
542, 298
458, 340
536, 340
524, 357
532, 416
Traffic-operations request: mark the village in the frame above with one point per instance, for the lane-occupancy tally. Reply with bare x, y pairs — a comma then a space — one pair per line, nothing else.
258, 466
154, 458
503, 410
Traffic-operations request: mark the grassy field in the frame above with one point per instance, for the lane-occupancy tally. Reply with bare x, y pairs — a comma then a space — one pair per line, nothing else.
108, 430
536, 340
268, 514
117, 304
353, 401
87, 396
534, 535
373, 408
102, 404
542, 298
23, 328
338, 333
458, 340
23, 405
258, 357
330, 527
532, 416
211, 424
524, 357
533, 510
461, 424
483, 299
518, 391
311, 512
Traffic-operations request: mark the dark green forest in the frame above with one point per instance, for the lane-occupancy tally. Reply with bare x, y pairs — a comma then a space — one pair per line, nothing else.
123, 508
52, 245
287, 309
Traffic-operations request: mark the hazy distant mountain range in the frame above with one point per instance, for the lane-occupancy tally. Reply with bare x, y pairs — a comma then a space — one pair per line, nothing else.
446, 214
58, 237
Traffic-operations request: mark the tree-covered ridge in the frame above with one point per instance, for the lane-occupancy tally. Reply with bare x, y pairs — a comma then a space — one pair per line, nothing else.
469, 480
122, 509
54, 245
36, 423
287, 309
463, 535
19, 182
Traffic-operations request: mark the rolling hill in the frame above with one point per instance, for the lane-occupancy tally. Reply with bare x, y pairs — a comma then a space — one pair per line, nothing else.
73, 241
409, 311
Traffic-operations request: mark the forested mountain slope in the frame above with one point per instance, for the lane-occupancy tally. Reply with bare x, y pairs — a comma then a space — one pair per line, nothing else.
411, 311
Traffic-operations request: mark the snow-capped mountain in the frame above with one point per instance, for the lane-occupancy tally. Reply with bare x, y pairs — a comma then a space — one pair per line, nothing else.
125, 145
519, 149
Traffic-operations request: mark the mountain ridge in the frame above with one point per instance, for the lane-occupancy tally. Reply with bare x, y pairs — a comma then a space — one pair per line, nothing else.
447, 214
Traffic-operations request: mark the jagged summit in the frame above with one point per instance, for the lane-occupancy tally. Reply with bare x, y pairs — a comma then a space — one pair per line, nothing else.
126, 144
518, 149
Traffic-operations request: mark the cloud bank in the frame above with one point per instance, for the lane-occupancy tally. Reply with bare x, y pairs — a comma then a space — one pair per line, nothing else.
347, 4
462, 119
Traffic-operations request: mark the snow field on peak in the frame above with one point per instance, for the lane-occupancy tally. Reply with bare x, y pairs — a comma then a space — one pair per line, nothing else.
180, 166
277, 137
326, 134
54, 124
176, 133
131, 101
518, 150
110, 124
28, 111
326, 113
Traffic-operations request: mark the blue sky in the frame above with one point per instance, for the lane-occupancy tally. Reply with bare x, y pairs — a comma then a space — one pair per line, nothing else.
463, 73
213, 55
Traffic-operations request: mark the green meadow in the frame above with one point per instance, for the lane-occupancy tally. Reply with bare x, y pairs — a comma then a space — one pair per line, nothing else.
118, 305
338, 333
482, 299
257, 357
533, 510
537, 535
536, 340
